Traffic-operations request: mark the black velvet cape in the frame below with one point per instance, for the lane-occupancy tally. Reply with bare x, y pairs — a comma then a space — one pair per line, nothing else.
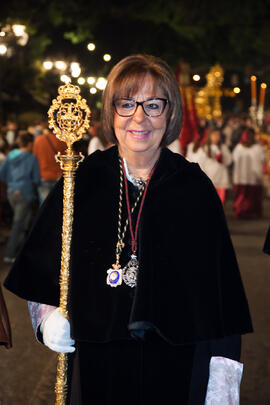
189, 286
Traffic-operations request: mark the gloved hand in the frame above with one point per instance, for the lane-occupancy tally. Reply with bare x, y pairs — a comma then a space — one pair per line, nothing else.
56, 332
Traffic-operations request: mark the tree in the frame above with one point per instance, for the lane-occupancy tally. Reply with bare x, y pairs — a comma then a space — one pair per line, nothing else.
202, 32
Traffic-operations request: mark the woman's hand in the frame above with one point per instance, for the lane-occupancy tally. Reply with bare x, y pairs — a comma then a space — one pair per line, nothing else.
56, 332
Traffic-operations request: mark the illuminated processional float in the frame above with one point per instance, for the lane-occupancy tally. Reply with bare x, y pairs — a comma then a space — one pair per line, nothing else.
68, 118
204, 103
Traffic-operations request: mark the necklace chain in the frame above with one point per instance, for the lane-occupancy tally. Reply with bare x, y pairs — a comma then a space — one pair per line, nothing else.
120, 238
134, 234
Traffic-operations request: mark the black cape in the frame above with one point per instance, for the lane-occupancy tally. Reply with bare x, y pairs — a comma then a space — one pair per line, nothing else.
189, 287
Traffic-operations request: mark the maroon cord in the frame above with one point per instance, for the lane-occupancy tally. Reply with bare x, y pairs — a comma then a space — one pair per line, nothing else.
134, 236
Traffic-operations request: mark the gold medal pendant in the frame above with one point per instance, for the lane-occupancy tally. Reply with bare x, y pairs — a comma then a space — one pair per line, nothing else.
115, 276
130, 272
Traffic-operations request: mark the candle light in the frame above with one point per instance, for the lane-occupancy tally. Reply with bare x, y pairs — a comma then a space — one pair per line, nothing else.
253, 80
262, 93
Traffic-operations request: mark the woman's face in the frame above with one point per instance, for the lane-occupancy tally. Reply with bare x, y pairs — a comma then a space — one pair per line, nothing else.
215, 137
140, 133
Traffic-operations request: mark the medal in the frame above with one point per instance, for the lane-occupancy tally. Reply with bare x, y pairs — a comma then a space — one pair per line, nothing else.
115, 276
130, 272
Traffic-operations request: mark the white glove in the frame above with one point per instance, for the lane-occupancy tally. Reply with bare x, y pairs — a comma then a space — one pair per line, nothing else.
56, 332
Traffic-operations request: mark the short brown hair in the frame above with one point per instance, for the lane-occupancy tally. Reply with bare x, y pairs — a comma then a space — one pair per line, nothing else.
248, 137
126, 78
24, 138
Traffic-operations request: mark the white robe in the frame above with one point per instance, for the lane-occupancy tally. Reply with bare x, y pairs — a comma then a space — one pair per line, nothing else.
248, 168
95, 144
216, 171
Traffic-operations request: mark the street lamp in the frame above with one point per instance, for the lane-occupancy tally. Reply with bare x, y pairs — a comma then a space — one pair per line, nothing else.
3, 49
107, 57
60, 65
236, 90
196, 78
18, 29
47, 64
81, 80
91, 47
91, 80
66, 79
75, 69
101, 83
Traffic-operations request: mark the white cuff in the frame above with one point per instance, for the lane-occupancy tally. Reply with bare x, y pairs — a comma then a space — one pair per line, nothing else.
224, 382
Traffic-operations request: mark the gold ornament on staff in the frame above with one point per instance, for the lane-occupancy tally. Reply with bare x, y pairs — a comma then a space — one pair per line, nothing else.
68, 118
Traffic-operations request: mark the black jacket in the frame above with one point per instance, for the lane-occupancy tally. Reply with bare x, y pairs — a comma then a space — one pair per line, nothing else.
189, 286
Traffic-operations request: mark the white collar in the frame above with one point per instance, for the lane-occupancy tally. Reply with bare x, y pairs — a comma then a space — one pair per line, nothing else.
134, 180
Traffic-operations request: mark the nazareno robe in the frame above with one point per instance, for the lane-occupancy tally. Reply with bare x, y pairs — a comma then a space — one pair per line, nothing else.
189, 291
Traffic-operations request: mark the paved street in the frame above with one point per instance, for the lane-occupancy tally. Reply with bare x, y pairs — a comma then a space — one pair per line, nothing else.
27, 371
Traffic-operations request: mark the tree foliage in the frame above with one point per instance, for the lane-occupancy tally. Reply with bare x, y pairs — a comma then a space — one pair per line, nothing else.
202, 32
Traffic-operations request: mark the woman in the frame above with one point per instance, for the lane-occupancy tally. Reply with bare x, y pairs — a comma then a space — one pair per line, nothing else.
248, 157
155, 290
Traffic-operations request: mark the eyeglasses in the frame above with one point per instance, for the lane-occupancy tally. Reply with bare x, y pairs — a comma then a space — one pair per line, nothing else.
126, 107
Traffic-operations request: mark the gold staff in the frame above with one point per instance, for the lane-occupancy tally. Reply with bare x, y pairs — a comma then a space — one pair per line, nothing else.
68, 118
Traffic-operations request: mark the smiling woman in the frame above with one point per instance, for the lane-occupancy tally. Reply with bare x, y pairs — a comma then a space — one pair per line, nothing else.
140, 132
157, 306
126, 80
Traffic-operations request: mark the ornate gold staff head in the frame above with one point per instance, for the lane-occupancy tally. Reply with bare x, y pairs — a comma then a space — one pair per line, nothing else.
69, 115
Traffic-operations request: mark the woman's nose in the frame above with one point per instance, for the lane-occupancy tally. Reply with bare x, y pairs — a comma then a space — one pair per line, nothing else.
139, 114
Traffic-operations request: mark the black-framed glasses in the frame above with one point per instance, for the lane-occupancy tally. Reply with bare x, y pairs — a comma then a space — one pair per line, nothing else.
126, 107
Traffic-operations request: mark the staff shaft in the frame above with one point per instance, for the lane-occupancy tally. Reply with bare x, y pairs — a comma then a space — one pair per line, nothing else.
68, 209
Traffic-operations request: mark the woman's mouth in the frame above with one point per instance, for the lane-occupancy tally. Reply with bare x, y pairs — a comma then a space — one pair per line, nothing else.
139, 134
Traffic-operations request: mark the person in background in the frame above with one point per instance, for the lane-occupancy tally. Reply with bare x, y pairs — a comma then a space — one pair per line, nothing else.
195, 152
98, 141
40, 128
11, 132
46, 146
248, 158
20, 171
215, 165
175, 146
3, 149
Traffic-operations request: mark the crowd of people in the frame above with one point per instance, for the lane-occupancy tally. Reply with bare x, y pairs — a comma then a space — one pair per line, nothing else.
233, 155
28, 172
229, 150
